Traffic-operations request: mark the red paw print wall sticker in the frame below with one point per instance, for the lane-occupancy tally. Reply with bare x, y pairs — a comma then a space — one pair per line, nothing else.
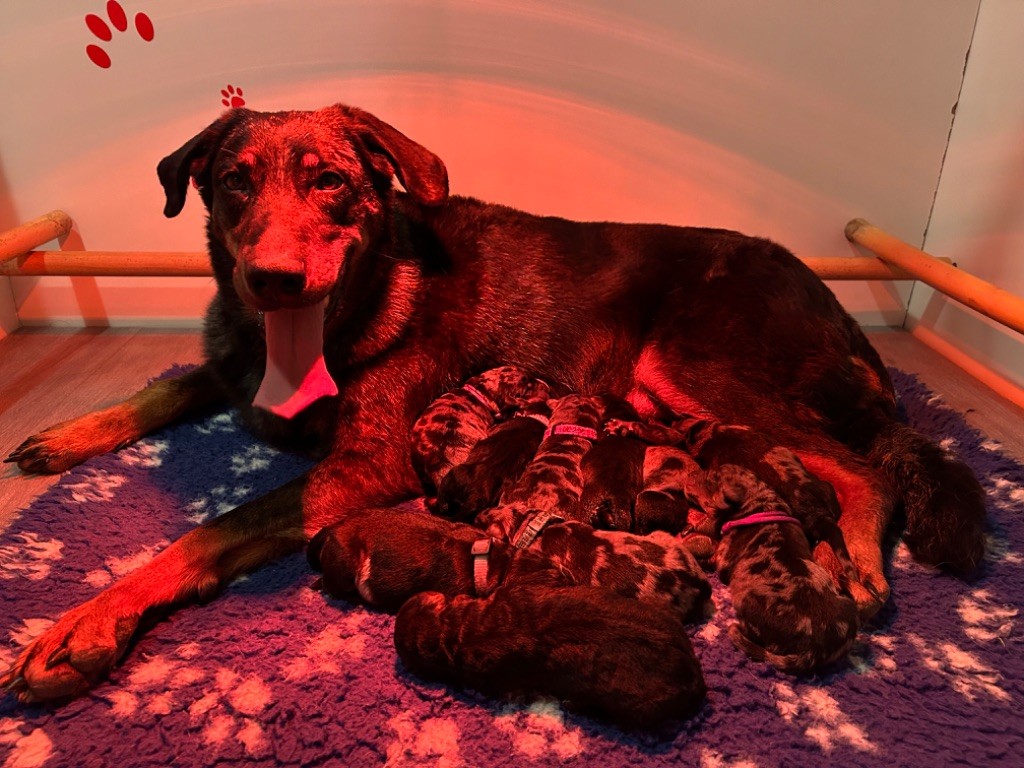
102, 30
232, 97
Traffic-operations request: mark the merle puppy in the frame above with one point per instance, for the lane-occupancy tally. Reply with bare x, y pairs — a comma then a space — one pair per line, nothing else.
716, 445
495, 464
601, 654
789, 611
345, 305
449, 427
550, 487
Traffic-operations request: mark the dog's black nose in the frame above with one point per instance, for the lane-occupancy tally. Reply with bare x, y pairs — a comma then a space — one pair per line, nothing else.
274, 285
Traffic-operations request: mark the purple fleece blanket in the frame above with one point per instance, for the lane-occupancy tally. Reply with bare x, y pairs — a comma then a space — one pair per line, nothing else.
273, 673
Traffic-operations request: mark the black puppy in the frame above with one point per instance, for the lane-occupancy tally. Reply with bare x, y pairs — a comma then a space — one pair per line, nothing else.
602, 654
612, 474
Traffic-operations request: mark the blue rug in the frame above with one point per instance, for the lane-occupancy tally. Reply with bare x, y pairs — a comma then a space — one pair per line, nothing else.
273, 673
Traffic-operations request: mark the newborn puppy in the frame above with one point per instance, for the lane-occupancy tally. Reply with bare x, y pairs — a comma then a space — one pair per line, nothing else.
661, 504
812, 500
788, 609
495, 464
448, 429
550, 488
612, 474
386, 556
655, 569
601, 654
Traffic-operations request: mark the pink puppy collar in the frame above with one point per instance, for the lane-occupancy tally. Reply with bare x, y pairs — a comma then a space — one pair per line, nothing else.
768, 516
480, 397
481, 552
588, 433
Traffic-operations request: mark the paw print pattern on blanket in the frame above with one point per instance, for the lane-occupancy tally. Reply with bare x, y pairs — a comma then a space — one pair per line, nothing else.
145, 453
326, 653
27, 750
429, 743
967, 674
95, 485
819, 714
29, 556
540, 729
985, 619
116, 567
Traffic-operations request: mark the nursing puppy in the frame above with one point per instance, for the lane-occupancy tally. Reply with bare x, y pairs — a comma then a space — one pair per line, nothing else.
495, 464
550, 488
789, 611
812, 500
612, 474
600, 654
449, 427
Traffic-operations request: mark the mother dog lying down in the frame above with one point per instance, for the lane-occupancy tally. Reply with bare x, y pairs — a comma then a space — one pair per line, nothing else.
345, 306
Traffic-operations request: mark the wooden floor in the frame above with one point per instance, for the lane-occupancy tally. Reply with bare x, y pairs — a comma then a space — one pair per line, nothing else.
48, 376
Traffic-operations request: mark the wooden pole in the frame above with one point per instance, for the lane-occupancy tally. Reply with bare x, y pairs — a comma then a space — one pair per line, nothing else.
969, 290
109, 263
166, 264
32, 234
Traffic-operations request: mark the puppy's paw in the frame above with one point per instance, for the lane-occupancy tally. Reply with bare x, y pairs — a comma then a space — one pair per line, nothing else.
72, 656
620, 427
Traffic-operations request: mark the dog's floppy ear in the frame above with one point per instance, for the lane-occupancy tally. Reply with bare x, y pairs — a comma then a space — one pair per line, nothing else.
193, 159
421, 171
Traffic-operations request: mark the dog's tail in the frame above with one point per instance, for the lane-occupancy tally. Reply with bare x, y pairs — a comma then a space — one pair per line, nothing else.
943, 502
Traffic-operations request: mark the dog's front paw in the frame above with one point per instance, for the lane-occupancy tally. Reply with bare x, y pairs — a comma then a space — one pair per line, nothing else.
70, 657
62, 446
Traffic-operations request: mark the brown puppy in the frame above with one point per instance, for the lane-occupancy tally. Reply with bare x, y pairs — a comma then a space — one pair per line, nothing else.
350, 305
600, 654
452, 425
494, 465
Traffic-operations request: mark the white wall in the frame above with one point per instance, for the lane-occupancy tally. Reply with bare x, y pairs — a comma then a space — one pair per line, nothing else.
8, 313
979, 210
782, 119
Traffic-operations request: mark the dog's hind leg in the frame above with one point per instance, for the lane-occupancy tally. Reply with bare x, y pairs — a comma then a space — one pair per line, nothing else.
80, 649
64, 445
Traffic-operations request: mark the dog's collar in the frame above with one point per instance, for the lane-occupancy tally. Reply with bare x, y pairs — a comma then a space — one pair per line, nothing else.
587, 433
481, 552
481, 398
767, 516
537, 417
532, 526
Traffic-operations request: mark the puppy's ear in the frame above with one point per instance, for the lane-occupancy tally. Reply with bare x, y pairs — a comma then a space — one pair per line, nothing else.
421, 171
193, 159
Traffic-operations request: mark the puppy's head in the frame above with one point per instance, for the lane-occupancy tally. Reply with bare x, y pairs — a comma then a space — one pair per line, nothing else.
295, 198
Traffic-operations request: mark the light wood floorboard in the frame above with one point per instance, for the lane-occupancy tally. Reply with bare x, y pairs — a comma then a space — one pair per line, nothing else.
48, 376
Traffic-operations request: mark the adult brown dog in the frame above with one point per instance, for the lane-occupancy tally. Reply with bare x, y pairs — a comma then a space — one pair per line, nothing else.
415, 291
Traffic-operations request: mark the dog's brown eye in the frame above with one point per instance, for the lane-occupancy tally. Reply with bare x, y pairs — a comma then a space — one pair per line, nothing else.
233, 182
328, 181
